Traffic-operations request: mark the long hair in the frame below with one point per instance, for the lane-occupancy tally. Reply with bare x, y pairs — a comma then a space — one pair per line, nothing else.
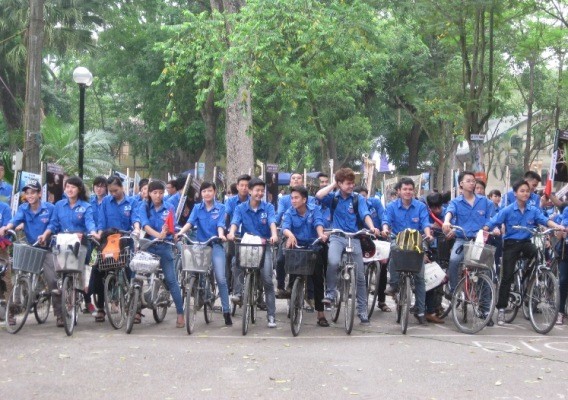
78, 183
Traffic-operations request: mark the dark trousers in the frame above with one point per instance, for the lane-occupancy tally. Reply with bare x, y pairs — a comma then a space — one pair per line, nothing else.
513, 250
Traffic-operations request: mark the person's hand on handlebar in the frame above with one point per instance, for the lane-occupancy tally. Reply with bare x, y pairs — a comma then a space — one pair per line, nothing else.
274, 239
446, 228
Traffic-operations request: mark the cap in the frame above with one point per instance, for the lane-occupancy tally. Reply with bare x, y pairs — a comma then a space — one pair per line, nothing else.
32, 184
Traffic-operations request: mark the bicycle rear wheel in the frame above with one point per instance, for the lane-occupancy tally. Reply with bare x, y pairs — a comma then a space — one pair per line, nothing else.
248, 302
18, 306
372, 280
336, 307
296, 305
114, 301
210, 296
68, 302
191, 294
162, 302
405, 297
543, 296
132, 308
42, 300
349, 290
473, 302
515, 300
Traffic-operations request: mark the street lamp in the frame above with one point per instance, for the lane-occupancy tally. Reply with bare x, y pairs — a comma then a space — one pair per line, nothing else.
83, 77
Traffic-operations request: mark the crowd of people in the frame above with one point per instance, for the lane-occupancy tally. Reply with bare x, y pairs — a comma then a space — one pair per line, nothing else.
301, 219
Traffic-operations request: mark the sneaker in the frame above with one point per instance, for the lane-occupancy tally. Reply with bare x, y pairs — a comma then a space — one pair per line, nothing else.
501, 318
236, 298
91, 309
228, 320
421, 319
391, 290
271, 322
560, 319
328, 300
364, 319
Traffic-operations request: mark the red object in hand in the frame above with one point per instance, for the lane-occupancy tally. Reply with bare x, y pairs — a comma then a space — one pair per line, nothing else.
170, 222
4, 243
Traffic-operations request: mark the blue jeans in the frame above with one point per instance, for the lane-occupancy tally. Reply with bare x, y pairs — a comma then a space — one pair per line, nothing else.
170, 276
218, 256
337, 245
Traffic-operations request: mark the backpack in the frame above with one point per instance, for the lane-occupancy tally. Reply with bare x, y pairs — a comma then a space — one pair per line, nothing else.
355, 203
409, 239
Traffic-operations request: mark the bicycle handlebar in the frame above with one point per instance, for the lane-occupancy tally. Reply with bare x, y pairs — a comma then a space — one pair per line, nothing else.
536, 231
212, 239
349, 234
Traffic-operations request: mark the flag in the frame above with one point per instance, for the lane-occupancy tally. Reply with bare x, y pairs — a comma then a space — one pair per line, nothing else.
170, 222
552, 170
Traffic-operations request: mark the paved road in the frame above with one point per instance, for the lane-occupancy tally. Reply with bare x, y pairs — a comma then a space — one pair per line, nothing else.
162, 362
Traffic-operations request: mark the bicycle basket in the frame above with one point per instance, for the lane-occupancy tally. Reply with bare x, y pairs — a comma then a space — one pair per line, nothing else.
196, 258
406, 260
113, 260
28, 258
300, 261
479, 255
250, 256
143, 262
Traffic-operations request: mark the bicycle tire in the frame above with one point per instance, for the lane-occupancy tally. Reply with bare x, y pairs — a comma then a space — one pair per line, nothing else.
543, 295
515, 300
18, 305
68, 304
473, 303
372, 281
162, 301
42, 300
191, 305
404, 301
350, 290
297, 305
256, 293
247, 303
446, 301
114, 301
132, 308
336, 307
208, 304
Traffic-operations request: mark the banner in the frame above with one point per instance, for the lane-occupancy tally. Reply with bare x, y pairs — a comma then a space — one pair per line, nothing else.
53, 188
272, 184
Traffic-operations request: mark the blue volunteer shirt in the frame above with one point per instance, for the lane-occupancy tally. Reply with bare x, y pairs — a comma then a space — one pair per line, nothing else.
207, 221
5, 192
173, 200
376, 210
35, 223
255, 222
399, 218
284, 203
96, 206
116, 215
344, 216
470, 218
5, 214
534, 199
76, 219
303, 226
512, 215
157, 217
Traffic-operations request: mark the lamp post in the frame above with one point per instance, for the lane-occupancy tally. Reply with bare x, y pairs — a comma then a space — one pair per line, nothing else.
83, 77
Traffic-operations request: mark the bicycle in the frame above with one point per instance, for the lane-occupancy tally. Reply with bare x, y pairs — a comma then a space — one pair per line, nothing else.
30, 289
535, 288
146, 271
69, 261
347, 283
373, 267
300, 262
197, 272
473, 299
116, 281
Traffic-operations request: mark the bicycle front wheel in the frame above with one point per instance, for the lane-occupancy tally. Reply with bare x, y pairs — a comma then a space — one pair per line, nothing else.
114, 301
336, 307
543, 300
42, 300
473, 302
18, 305
349, 290
132, 307
191, 294
296, 305
68, 303
248, 302
405, 296
161, 302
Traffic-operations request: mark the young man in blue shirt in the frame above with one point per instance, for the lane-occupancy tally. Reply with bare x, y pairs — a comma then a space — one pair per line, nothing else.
35, 215
346, 218
516, 241
408, 213
257, 217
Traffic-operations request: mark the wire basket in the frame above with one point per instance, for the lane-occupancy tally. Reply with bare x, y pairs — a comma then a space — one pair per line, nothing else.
406, 260
110, 261
478, 255
143, 262
249, 256
300, 261
69, 258
28, 258
196, 257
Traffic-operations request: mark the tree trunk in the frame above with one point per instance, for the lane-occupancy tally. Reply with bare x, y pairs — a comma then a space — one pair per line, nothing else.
32, 111
210, 115
412, 144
